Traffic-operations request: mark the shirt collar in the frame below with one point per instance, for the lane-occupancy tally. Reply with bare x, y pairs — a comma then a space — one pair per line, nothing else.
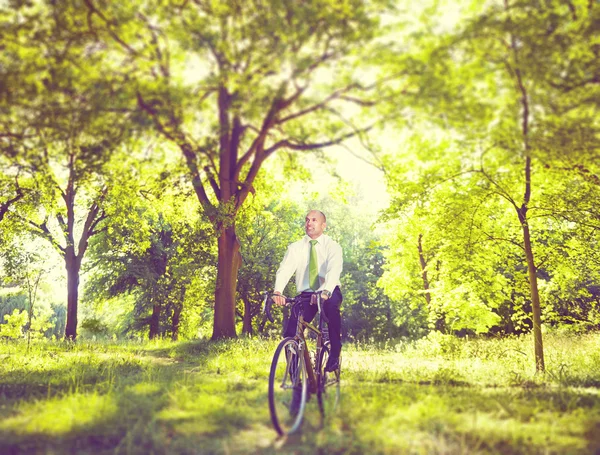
320, 239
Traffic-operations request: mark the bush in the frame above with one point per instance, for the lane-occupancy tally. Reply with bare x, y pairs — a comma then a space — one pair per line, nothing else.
15, 323
94, 327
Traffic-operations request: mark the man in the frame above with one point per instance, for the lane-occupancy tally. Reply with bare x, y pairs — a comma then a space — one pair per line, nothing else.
317, 261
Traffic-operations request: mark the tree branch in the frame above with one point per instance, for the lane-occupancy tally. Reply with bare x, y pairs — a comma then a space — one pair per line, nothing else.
4, 206
501, 191
213, 182
314, 146
93, 10
44, 232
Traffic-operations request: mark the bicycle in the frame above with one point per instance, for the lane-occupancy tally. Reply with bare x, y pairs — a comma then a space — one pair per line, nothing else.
293, 373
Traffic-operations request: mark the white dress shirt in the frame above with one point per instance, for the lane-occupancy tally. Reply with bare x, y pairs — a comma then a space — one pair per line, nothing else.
329, 262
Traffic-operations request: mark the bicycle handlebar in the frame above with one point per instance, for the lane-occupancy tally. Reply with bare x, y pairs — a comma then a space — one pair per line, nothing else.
268, 303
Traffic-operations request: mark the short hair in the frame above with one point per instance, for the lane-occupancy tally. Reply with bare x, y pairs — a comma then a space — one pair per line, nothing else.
322, 214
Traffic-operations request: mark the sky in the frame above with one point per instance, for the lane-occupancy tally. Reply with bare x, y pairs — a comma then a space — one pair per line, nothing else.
369, 180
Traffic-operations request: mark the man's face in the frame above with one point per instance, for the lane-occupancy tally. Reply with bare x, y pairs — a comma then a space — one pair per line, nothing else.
314, 224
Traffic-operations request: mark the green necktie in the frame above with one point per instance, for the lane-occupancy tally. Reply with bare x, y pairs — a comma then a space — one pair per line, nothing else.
313, 268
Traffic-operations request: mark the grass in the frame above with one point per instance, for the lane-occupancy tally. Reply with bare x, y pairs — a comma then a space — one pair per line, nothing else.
436, 396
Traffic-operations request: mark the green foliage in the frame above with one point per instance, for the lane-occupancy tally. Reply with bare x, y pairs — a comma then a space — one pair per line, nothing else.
62, 137
232, 83
95, 327
447, 257
487, 97
14, 324
157, 251
11, 301
47, 319
86, 88
25, 266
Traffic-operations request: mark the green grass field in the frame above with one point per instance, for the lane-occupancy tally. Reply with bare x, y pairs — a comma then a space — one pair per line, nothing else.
436, 396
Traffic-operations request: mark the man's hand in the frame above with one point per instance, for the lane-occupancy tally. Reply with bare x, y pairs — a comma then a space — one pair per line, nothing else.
313, 298
278, 299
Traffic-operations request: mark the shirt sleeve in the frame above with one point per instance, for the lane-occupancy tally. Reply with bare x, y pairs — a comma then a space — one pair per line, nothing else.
335, 262
286, 270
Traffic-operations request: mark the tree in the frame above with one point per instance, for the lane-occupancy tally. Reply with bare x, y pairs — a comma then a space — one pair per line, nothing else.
441, 257
24, 265
157, 276
511, 89
231, 83
59, 129
153, 250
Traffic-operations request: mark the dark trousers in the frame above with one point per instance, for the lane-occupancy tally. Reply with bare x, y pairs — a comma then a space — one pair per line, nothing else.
331, 308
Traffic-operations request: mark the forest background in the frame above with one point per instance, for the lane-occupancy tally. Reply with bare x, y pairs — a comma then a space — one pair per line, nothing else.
157, 158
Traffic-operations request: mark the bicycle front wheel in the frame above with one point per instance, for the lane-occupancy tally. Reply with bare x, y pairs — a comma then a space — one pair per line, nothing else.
328, 390
287, 387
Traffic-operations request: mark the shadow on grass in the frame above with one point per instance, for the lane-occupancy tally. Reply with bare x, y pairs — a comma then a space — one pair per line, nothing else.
59, 368
411, 418
186, 350
49, 379
123, 402
197, 398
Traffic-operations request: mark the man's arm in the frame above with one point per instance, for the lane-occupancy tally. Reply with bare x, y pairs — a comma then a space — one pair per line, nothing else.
335, 262
285, 271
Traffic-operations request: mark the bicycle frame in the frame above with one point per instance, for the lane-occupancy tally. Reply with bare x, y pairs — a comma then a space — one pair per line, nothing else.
301, 338
311, 369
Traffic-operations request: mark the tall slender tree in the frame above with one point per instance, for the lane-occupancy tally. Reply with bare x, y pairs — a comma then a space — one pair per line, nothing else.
523, 80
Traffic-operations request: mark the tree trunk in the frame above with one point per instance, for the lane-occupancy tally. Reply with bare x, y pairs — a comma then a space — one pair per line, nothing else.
175, 322
535, 295
423, 263
227, 270
29, 312
522, 211
261, 325
72, 263
154, 321
390, 321
247, 327
440, 323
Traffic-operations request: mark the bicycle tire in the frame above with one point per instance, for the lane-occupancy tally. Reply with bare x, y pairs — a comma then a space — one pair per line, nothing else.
287, 387
328, 384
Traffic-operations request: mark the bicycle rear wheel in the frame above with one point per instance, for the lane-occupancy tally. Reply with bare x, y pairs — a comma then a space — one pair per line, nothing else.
287, 387
328, 389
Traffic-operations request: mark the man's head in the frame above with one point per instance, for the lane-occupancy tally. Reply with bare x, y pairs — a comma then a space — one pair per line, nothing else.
314, 223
